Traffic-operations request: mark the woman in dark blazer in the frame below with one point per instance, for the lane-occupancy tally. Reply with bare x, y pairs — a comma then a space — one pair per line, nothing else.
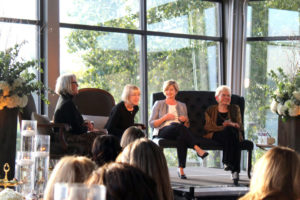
122, 114
224, 125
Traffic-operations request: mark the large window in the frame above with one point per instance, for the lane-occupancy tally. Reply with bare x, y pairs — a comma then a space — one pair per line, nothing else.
273, 32
109, 43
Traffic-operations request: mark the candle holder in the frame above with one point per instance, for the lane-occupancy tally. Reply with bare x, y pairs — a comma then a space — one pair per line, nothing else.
25, 172
5, 182
41, 164
28, 132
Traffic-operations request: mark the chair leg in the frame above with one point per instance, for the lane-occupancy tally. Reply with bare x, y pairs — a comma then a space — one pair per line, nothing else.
249, 163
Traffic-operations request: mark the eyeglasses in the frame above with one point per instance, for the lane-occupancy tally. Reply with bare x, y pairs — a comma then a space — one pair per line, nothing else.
75, 83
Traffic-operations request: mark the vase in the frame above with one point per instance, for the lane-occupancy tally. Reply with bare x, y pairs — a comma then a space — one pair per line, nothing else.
289, 133
8, 135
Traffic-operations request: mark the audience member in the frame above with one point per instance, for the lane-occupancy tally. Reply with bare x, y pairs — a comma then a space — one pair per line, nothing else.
223, 123
124, 182
130, 135
147, 156
276, 176
105, 149
69, 169
122, 114
169, 118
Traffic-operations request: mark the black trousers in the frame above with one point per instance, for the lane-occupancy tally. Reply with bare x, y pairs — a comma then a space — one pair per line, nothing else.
182, 135
229, 138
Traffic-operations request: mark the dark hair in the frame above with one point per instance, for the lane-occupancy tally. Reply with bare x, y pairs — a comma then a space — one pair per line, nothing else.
105, 149
124, 182
131, 134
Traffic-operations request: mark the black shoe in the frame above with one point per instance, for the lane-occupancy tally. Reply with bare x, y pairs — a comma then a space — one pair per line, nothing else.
203, 156
235, 177
181, 176
228, 167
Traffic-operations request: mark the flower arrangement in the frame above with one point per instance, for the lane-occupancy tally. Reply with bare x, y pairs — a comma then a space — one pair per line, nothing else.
17, 79
285, 94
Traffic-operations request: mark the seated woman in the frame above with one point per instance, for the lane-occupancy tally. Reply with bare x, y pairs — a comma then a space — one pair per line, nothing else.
69, 169
122, 114
224, 125
170, 120
276, 176
130, 135
105, 149
124, 182
66, 112
146, 155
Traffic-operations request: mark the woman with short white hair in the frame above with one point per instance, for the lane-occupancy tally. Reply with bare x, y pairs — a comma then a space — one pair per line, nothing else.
65, 110
223, 123
122, 115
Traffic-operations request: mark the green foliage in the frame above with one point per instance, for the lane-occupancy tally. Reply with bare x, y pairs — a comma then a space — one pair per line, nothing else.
18, 78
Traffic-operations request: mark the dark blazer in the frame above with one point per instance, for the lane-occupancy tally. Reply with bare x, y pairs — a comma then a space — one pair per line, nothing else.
66, 112
120, 119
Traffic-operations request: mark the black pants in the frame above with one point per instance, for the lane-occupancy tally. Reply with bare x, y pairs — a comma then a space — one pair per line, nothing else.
229, 138
182, 135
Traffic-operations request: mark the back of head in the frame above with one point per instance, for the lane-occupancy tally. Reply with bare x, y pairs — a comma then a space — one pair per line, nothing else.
149, 157
130, 135
276, 175
124, 182
105, 149
69, 169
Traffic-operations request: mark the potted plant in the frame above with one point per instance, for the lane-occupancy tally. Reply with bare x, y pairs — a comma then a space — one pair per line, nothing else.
17, 81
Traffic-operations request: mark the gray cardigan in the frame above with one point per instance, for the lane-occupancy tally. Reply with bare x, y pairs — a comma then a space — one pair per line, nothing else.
160, 108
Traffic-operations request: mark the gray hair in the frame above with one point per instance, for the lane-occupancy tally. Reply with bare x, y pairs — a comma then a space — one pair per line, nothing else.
127, 90
222, 88
64, 84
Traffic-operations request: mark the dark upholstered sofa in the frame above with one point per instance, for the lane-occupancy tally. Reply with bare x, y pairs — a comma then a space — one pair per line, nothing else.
197, 102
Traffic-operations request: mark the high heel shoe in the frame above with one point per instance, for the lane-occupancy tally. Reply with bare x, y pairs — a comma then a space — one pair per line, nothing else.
203, 156
181, 176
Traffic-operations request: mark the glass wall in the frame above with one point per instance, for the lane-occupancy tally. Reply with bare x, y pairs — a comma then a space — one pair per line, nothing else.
271, 29
109, 43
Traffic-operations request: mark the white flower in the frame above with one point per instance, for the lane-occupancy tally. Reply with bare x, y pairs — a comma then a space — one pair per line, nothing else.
296, 94
23, 101
9, 194
273, 106
12, 101
18, 82
281, 109
292, 108
5, 87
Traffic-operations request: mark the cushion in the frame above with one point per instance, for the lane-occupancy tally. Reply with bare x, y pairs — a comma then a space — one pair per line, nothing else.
42, 119
99, 121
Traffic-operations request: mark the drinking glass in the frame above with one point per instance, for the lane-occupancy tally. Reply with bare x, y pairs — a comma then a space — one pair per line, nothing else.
78, 191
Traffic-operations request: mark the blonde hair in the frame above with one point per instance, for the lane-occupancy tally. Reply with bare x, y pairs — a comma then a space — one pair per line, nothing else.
69, 169
127, 90
169, 83
64, 84
222, 88
276, 176
149, 157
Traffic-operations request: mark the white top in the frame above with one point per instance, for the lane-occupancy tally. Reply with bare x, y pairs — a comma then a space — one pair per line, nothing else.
172, 110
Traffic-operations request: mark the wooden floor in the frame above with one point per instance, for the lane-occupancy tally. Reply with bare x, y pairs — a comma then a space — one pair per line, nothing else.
207, 183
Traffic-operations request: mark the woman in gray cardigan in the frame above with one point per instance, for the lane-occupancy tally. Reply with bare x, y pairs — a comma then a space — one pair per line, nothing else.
170, 121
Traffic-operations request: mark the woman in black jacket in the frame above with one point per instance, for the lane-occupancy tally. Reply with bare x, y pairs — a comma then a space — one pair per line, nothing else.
122, 114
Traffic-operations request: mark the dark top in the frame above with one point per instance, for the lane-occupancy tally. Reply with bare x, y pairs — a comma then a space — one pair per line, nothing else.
221, 118
66, 112
120, 119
